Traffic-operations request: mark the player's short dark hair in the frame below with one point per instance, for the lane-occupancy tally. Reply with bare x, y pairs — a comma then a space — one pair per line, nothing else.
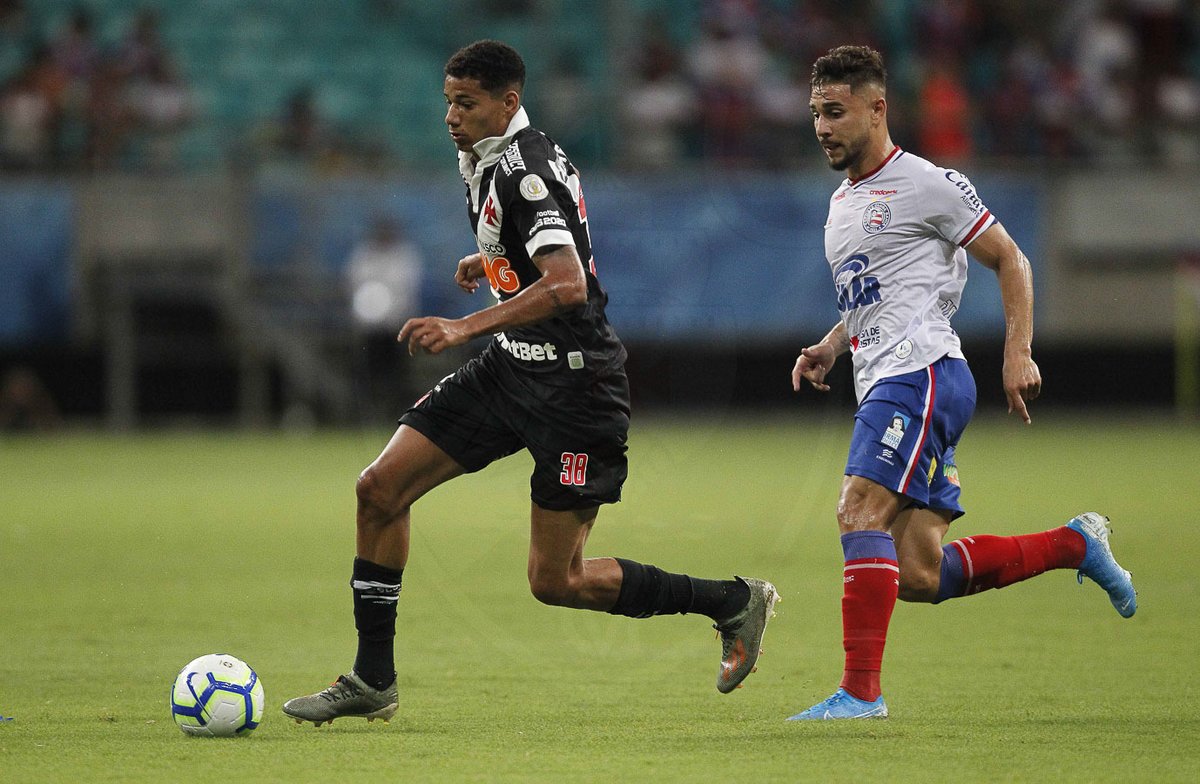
495, 65
853, 65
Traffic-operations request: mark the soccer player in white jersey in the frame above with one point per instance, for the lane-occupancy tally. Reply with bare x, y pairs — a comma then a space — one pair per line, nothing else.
897, 238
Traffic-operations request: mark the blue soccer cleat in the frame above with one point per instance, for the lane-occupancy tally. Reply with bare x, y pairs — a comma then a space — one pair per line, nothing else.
843, 705
1099, 564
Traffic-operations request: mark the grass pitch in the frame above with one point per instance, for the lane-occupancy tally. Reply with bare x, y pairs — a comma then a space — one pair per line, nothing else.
121, 559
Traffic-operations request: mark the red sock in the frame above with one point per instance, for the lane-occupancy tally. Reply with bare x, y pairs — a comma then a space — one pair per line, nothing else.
997, 561
868, 598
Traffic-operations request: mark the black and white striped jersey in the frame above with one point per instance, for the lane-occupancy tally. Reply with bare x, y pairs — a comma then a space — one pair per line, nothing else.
523, 195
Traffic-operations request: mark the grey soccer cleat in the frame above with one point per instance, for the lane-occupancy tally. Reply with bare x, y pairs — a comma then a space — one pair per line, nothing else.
349, 695
742, 634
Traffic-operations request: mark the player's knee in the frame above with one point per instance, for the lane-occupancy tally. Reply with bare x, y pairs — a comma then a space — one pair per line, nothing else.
855, 512
557, 592
378, 503
866, 505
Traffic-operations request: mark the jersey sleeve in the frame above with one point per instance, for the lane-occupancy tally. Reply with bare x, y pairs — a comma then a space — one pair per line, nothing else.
538, 203
953, 208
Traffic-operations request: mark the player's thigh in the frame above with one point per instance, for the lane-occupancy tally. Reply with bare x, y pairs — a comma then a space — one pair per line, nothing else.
470, 414
907, 423
407, 468
578, 440
888, 444
918, 534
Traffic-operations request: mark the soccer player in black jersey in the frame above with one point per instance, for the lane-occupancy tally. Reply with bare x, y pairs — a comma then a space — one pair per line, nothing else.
551, 381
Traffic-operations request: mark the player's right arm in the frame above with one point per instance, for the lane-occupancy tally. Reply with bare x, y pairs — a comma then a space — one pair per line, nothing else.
561, 288
815, 361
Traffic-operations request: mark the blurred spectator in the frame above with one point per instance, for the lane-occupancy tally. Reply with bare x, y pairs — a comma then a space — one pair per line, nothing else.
1178, 97
1106, 56
944, 119
109, 119
564, 104
139, 102
944, 27
727, 64
384, 276
75, 48
142, 53
25, 117
1057, 112
160, 107
158, 101
658, 107
301, 133
15, 43
1009, 106
30, 113
77, 54
784, 127
1161, 30
25, 404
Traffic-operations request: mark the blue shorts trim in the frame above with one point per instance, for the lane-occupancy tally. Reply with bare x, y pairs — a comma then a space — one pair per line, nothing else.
906, 430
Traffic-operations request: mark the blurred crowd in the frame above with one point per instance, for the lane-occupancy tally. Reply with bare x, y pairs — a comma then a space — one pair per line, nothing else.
71, 102
1113, 82
1098, 81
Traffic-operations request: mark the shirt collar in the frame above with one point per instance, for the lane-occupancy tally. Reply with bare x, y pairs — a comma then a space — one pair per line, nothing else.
486, 151
896, 152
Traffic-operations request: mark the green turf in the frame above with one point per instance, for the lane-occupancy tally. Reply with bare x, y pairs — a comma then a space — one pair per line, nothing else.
123, 558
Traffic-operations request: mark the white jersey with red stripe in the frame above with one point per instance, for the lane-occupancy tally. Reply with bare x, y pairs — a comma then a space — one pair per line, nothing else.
895, 240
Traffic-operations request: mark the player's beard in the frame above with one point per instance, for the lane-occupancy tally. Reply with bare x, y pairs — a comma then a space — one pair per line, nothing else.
852, 155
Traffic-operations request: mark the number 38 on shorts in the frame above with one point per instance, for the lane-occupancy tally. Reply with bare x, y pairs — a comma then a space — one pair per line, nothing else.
574, 467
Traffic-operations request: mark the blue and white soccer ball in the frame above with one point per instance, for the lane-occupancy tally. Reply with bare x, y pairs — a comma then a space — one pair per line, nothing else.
217, 695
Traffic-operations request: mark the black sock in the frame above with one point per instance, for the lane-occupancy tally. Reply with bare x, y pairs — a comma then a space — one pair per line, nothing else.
376, 591
647, 590
720, 599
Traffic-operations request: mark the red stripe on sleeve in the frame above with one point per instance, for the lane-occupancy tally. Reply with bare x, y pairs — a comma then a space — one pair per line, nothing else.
979, 224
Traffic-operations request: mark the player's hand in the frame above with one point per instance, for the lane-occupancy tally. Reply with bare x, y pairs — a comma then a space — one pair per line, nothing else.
812, 365
470, 270
432, 334
1022, 382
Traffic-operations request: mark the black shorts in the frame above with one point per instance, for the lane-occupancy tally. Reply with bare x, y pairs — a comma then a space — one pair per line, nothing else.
577, 435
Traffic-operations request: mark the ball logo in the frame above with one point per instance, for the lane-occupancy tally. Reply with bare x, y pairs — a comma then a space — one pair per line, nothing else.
904, 349
533, 188
876, 217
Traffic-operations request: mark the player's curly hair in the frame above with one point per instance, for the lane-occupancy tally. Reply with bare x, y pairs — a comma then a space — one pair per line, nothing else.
852, 65
497, 66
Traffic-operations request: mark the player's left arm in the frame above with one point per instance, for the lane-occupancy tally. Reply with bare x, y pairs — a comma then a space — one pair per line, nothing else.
997, 251
561, 288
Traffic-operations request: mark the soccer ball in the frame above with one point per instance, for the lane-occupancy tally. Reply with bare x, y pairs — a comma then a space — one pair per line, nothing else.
217, 695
